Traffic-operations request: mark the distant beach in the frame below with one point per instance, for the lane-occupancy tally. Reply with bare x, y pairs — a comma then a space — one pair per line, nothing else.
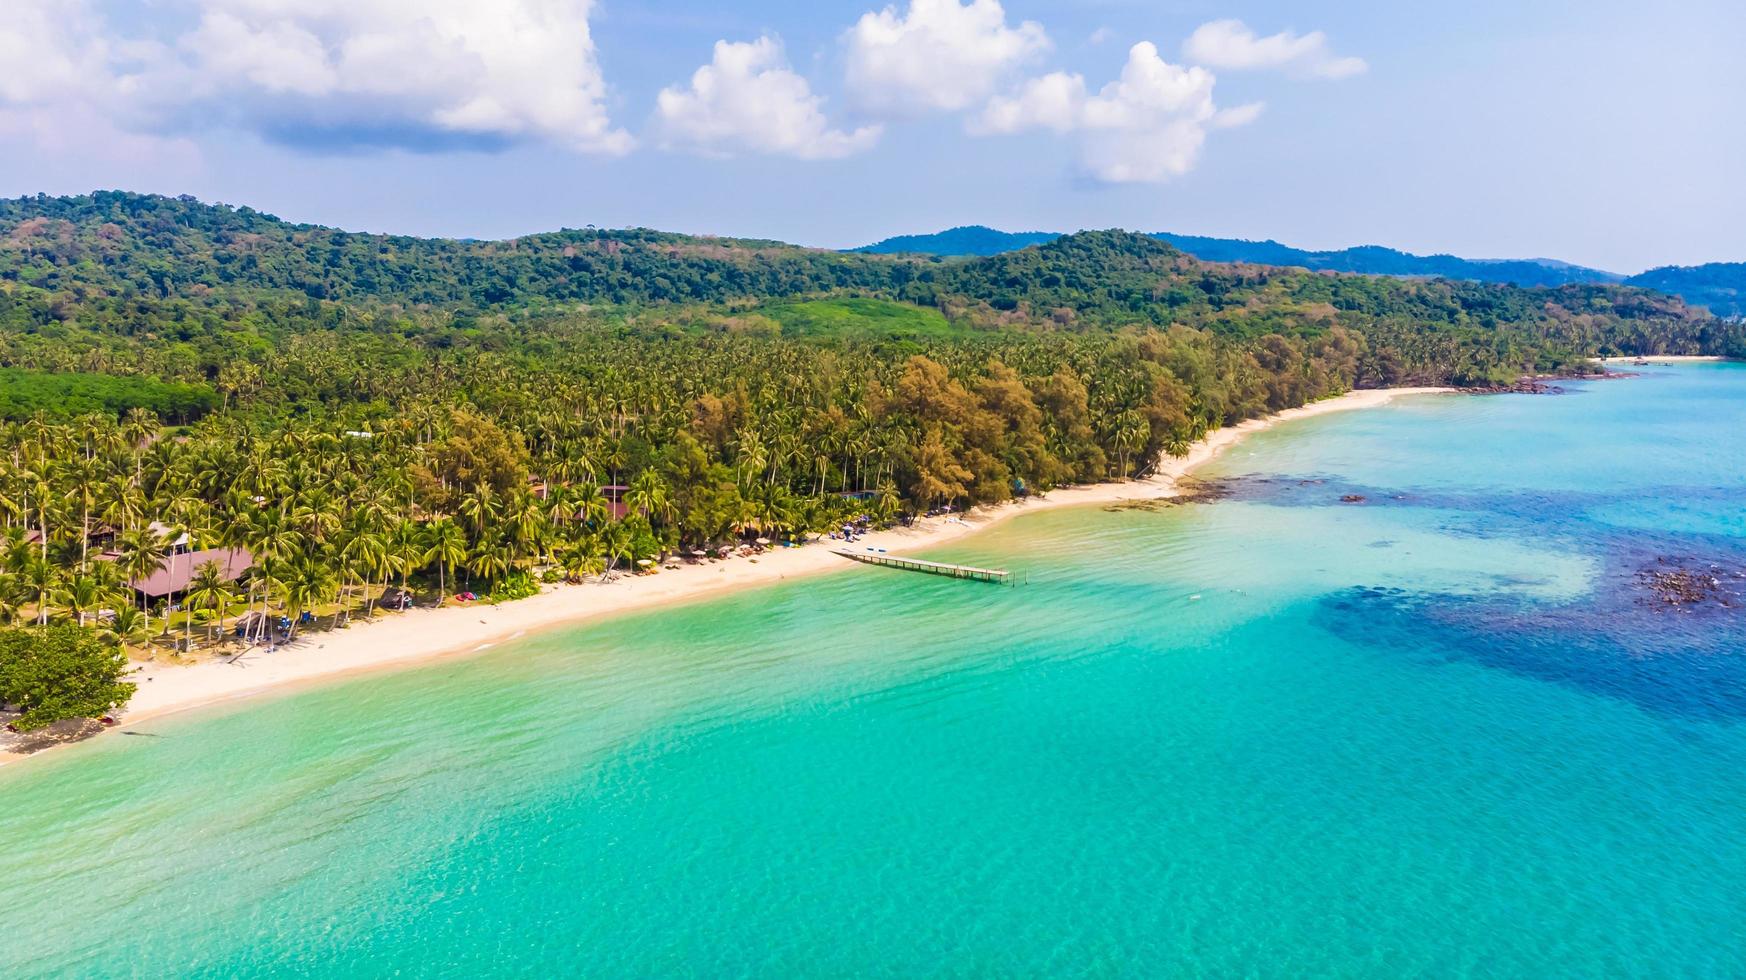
1662, 359
403, 639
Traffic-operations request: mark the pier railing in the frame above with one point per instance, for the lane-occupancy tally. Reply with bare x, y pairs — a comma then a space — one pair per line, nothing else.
995, 575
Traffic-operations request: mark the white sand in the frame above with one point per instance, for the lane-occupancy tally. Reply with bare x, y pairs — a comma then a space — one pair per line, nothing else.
1663, 359
401, 639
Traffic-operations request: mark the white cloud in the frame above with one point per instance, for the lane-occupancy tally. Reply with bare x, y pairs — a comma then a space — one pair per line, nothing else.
1147, 126
414, 73
405, 71
63, 83
939, 55
49, 49
1055, 101
1231, 44
748, 99
1241, 115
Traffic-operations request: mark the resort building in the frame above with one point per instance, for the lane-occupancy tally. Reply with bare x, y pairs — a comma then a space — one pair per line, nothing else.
178, 570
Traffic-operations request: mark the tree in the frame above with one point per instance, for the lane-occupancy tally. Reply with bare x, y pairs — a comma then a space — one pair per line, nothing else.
143, 553
445, 544
939, 477
59, 672
128, 627
307, 584
208, 592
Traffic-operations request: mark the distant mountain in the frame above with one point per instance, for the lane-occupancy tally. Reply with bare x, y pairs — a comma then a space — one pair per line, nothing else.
969, 240
1379, 261
976, 240
1721, 286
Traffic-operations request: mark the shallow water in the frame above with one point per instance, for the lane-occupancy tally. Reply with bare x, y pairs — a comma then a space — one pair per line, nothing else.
1441, 732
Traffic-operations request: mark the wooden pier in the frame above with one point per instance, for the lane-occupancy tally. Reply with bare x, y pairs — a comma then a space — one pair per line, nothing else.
994, 575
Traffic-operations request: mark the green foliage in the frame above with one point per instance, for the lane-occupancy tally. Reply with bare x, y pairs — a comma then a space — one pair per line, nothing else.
25, 393
859, 318
976, 240
1719, 286
394, 409
515, 585
60, 672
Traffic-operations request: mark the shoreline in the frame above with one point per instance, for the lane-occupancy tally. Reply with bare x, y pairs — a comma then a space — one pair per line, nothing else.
1666, 359
419, 636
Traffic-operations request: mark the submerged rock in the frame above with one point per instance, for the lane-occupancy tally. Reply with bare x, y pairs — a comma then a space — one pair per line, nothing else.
1679, 584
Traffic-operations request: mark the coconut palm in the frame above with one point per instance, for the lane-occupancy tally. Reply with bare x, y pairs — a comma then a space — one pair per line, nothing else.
490, 561
363, 556
446, 545
40, 580
306, 585
129, 627
649, 496
619, 545
210, 592
84, 595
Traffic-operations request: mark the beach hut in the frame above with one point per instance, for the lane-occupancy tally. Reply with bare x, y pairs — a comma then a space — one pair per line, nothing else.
173, 576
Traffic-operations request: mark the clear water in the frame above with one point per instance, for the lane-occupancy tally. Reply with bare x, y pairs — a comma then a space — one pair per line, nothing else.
1436, 733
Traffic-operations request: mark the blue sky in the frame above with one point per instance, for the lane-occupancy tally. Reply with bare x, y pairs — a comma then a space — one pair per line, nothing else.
1602, 132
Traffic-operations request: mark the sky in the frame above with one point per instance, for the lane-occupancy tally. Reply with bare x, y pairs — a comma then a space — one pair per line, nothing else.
1603, 132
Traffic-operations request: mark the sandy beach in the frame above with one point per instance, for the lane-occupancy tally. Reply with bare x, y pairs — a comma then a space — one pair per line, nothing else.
420, 635
1663, 359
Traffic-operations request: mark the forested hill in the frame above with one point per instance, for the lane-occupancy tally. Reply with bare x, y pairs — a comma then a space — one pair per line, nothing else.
112, 275
120, 244
977, 240
1720, 286
114, 246
967, 240
1380, 261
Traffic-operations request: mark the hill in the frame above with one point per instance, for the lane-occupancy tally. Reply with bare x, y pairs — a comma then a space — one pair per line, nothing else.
120, 244
977, 240
1719, 286
1377, 260
178, 289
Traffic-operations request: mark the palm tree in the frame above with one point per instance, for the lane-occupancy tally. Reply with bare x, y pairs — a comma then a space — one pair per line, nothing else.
1132, 431
40, 580
479, 508
128, 627
526, 519
445, 544
11, 597
590, 505
649, 496
143, 554
887, 502
364, 553
619, 545
210, 592
490, 562
584, 559
405, 551
82, 596
308, 583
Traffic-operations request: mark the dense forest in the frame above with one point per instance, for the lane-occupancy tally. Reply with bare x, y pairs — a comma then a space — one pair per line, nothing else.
1368, 259
1720, 286
364, 413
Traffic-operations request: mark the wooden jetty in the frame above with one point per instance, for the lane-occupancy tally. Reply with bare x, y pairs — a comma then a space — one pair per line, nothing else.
994, 575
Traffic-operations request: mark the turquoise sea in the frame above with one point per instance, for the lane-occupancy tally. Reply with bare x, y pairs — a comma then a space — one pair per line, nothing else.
1442, 731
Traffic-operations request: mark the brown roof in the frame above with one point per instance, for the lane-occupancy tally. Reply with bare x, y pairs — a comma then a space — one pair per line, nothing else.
178, 570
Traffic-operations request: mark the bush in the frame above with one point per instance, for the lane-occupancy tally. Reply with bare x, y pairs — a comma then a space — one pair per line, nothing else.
60, 672
515, 585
